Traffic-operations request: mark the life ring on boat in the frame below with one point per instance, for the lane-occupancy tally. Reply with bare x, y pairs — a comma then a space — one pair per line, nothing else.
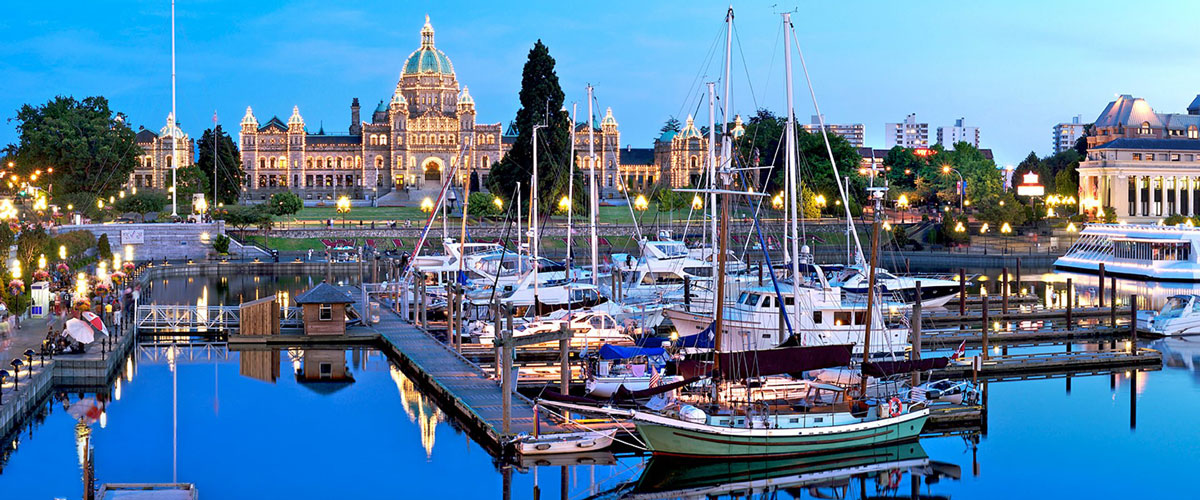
894, 406
893, 478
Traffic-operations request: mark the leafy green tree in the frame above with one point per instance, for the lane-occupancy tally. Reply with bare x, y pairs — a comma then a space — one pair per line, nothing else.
7, 237
34, 242
230, 175
189, 180
1004, 208
765, 132
221, 244
244, 216
103, 249
668, 199
808, 201
482, 205
90, 147
143, 203
541, 100
284, 203
77, 242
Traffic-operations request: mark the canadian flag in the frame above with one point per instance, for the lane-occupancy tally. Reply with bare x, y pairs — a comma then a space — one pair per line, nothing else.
962, 348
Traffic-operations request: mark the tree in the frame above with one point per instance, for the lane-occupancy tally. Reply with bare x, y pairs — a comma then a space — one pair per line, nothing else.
103, 249
541, 103
672, 125
91, 148
1004, 208
7, 237
244, 216
189, 180
143, 203
814, 168
34, 242
230, 175
482, 205
284, 203
221, 244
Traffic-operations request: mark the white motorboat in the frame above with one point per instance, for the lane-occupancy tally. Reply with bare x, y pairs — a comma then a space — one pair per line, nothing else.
565, 442
935, 292
662, 269
753, 322
1155, 253
590, 328
1180, 315
632, 367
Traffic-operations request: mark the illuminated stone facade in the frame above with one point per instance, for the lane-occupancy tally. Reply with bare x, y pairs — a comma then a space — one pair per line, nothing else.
411, 140
153, 170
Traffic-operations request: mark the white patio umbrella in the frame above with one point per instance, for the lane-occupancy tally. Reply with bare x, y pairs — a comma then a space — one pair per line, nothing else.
80, 331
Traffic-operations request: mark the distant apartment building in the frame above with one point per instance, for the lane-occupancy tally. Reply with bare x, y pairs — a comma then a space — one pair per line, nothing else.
1066, 134
852, 132
949, 136
909, 134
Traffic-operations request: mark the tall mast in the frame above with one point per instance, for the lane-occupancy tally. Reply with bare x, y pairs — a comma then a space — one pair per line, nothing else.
719, 310
212, 206
725, 146
712, 168
171, 125
571, 193
518, 198
790, 168
593, 201
877, 195
533, 217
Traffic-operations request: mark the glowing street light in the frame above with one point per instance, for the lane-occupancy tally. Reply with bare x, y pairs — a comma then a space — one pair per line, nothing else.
42, 261
62, 252
427, 204
343, 208
564, 204
777, 201
984, 229
640, 203
495, 201
959, 228
820, 199
697, 202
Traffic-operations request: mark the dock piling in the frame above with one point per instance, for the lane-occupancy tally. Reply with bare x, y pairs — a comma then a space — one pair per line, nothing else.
506, 380
564, 352
915, 353
1100, 291
1004, 290
1018, 277
1070, 304
1112, 320
962, 292
1133, 313
687, 293
986, 327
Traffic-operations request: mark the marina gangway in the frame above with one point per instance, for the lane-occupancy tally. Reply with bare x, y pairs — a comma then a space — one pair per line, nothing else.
201, 319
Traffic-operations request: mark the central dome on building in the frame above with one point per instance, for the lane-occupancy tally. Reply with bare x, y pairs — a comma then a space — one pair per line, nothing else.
427, 59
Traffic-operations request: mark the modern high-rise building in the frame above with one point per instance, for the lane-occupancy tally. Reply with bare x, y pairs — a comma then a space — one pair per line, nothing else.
1066, 134
908, 134
949, 136
852, 132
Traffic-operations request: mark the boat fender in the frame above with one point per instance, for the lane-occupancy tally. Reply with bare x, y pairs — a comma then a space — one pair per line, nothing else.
894, 406
692, 414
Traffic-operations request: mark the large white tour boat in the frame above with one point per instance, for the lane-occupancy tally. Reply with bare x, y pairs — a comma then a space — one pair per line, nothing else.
1157, 253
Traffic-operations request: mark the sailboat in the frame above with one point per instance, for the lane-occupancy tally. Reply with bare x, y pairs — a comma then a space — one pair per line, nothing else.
732, 429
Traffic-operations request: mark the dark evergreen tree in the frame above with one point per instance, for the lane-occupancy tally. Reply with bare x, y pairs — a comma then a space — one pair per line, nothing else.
541, 104
230, 175
672, 125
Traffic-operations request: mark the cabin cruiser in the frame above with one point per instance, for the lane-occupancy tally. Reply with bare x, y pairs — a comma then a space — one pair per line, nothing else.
935, 292
1180, 315
663, 268
635, 368
753, 321
1155, 253
590, 328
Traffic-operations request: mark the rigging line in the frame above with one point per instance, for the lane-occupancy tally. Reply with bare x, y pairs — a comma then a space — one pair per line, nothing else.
774, 283
703, 70
745, 66
625, 191
828, 148
508, 224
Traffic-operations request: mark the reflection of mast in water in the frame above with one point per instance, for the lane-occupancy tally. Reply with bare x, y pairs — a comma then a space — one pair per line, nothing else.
419, 409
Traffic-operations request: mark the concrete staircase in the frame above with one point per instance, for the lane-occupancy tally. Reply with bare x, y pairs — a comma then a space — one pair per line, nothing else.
396, 198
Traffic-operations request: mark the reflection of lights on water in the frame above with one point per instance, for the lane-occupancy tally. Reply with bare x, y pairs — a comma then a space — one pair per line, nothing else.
129, 368
117, 390
82, 432
103, 419
419, 409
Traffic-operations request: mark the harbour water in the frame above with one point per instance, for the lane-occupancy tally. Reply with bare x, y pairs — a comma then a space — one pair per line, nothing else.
240, 434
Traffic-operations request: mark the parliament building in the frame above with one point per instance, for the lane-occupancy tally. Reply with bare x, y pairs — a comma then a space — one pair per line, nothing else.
425, 131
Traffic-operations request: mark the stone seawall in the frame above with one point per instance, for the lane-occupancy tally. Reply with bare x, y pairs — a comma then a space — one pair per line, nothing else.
174, 241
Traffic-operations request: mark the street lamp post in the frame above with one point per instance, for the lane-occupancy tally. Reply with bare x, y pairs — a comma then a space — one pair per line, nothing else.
961, 184
343, 208
1005, 230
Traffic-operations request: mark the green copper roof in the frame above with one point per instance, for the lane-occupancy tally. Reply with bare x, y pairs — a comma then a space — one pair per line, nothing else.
427, 60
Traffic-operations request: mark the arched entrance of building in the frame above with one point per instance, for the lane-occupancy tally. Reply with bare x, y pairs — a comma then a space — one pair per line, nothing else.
433, 172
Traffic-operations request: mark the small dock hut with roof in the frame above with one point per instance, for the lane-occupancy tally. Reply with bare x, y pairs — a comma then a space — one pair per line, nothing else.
324, 310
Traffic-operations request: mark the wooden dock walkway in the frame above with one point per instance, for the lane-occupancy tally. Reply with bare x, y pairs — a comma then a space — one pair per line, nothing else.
1049, 364
459, 382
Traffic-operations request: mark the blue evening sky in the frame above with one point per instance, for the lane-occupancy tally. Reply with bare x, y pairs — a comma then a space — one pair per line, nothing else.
1012, 68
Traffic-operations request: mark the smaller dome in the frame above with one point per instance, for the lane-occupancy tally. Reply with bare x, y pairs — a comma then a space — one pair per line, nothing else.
249, 119
382, 107
465, 97
295, 119
608, 119
166, 130
689, 130
397, 99
738, 130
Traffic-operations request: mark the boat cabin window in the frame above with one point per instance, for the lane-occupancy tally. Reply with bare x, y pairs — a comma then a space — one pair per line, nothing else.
601, 322
1155, 251
582, 295
1173, 308
699, 271
818, 317
860, 317
750, 299
769, 302
841, 318
885, 276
